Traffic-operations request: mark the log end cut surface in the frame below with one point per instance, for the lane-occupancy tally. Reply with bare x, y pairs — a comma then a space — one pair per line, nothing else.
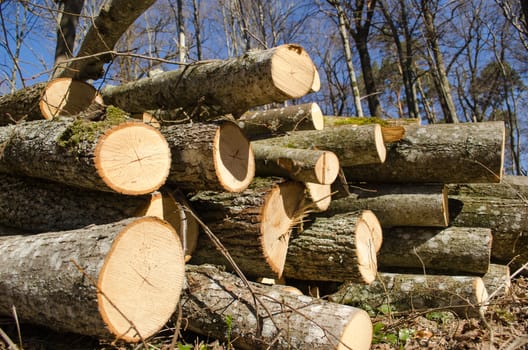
481, 292
141, 279
358, 332
374, 225
327, 168
233, 158
292, 71
380, 143
366, 252
317, 116
133, 158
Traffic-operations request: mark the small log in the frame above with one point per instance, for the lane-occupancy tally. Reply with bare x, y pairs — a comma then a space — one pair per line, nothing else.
297, 164
23, 104
318, 197
456, 250
497, 280
219, 305
209, 156
254, 226
339, 248
204, 90
391, 131
278, 121
441, 153
109, 281
114, 155
398, 205
352, 144
403, 293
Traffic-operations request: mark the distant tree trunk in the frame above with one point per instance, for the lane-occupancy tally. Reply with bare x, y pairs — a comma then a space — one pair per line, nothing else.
182, 47
197, 29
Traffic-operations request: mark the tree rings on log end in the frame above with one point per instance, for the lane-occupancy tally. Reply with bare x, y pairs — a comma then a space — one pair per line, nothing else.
365, 252
327, 168
292, 71
67, 97
278, 216
133, 158
141, 280
374, 225
357, 334
233, 158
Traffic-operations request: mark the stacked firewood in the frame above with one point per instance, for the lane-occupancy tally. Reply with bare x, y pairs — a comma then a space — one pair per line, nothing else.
103, 211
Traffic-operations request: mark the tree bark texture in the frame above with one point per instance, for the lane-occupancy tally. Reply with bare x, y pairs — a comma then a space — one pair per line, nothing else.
498, 280
21, 105
209, 156
444, 153
352, 144
254, 226
404, 293
207, 89
454, 250
113, 156
398, 205
297, 164
337, 248
278, 121
219, 305
97, 281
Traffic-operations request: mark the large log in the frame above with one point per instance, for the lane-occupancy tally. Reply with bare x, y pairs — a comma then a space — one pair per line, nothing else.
218, 305
297, 164
442, 153
278, 121
204, 90
113, 155
398, 205
209, 156
254, 226
339, 248
391, 129
403, 293
121, 280
453, 250
353, 144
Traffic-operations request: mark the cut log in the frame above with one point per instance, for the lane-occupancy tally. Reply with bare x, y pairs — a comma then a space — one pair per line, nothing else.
121, 280
254, 226
398, 205
403, 293
441, 153
454, 250
217, 304
125, 157
21, 105
352, 144
510, 188
391, 131
297, 164
207, 89
497, 280
339, 248
278, 121
318, 197
209, 156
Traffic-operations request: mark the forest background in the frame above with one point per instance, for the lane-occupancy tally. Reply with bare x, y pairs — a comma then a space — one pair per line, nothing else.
441, 61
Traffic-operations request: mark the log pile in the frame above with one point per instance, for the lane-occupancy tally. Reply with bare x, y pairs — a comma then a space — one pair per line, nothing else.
109, 208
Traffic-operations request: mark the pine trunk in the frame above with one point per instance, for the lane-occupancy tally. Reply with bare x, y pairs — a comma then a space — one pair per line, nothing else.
219, 305
121, 280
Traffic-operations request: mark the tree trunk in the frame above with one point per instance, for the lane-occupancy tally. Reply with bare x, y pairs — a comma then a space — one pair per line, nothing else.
209, 156
443, 153
454, 250
21, 105
254, 226
297, 164
276, 122
398, 205
112, 155
218, 305
205, 90
353, 144
108, 281
404, 293
339, 248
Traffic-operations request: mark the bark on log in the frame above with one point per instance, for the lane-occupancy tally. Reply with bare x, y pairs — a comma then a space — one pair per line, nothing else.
391, 131
278, 121
115, 156
454, 250
497, 280
209, 156
507, 189
340, 248
352, 144
403, 293
121, 280
21, 105
297, 164
398, 205
442, 153
219, 305
204, 90
254, 226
